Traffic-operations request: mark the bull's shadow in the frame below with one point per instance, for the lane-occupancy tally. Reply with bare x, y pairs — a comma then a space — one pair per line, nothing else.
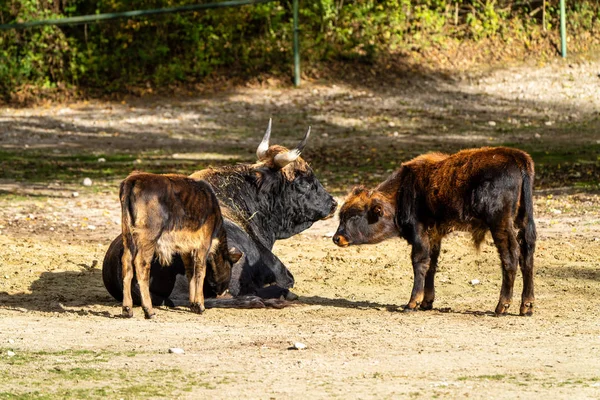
62, 292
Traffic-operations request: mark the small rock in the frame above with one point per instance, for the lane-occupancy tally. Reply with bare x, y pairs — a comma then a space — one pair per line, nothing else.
555, 211
87, 182
176, 350
549, 123
329, 234
299, 346
325, 135
10, 353
75, 194
474, 282
101, 160
396, 134
537, 136
92, 227
11, 341
391, 124
492, 123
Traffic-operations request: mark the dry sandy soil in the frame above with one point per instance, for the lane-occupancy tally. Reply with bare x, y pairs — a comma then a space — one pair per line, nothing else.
59, 336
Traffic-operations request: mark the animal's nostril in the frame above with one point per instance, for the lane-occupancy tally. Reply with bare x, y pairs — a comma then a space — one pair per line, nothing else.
336, 239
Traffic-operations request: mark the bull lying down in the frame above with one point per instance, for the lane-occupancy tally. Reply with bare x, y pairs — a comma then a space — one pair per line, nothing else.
430, 196
167, 214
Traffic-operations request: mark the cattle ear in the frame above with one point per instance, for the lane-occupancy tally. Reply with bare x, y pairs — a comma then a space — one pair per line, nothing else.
358, 190
235, 255
375, 212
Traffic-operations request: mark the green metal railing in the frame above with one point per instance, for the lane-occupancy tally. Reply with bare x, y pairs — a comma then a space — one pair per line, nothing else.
563, 30
139, 13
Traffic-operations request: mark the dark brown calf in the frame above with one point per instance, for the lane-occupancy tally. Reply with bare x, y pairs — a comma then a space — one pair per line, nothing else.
430, 196
168, 214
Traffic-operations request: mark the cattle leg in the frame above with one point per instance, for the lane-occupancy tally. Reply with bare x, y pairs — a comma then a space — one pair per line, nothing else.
197, 282
527, 237
142, 270
420, 259
506, 243
127, 274
188, 264
429, 296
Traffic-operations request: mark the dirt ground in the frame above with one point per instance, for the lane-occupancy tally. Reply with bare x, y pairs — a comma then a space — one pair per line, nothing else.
59, 337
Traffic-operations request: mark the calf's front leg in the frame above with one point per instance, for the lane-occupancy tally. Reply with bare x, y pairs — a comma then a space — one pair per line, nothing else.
429, 296
420, 260
197, 302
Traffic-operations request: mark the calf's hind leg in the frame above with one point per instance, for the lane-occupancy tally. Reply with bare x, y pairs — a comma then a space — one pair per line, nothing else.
142, 269
527, 237
508, 249
127, 274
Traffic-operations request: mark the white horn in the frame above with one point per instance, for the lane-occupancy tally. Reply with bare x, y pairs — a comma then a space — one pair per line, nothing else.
261, 151
283, 159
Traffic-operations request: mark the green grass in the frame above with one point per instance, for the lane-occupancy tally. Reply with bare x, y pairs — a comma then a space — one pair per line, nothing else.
36, 167
80, 373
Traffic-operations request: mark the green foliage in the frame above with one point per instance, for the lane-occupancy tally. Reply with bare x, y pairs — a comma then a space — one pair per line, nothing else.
172, 49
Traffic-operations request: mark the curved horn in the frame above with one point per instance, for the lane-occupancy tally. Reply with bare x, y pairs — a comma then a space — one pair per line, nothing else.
283, 159
261, 151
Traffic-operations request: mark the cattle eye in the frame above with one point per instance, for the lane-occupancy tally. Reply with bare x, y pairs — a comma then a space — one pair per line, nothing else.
304, 184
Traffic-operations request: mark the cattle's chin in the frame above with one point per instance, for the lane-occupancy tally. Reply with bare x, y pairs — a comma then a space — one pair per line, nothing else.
331, 214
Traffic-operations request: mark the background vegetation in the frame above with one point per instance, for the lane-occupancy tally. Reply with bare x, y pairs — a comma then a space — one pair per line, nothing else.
143, 54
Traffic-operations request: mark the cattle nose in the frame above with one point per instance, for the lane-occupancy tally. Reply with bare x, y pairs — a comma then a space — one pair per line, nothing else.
340, 240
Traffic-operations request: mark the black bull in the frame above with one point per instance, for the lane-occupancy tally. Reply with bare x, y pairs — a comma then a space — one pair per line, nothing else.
274, 199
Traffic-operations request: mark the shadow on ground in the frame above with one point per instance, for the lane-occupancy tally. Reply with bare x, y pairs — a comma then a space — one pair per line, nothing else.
57, 292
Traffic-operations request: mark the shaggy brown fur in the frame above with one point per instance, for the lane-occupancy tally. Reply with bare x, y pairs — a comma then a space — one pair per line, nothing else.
167, 214
476, 190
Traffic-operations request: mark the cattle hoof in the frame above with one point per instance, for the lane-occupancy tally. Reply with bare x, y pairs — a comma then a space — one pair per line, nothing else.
407, 309
149, 314
426, 306
502, 309
127, 312
197, 308
526, 309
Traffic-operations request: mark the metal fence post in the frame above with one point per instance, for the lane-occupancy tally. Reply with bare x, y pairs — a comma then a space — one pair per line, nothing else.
563, 30
296, 47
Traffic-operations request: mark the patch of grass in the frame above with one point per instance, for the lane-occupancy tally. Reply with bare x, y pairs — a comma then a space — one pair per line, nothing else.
496, 377
79, 373
36, 167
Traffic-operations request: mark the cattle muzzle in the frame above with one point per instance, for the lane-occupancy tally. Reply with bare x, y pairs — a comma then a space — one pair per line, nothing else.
340, 240
334, 205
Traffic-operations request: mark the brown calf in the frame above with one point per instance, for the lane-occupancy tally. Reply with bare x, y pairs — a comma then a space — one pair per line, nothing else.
430, 196
168, 214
